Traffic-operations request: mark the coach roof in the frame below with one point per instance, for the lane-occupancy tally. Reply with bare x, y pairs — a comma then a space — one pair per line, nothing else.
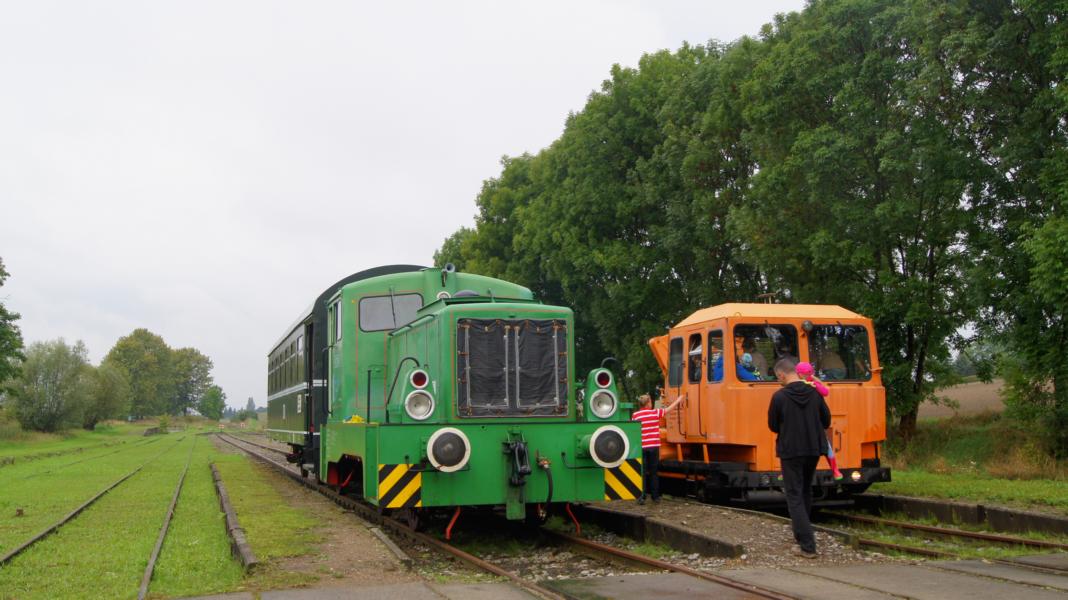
769, 311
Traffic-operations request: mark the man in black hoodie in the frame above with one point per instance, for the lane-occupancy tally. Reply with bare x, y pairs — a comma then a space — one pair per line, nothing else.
800, 417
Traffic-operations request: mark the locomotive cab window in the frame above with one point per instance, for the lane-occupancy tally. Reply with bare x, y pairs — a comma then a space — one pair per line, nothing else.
758, 347
715, 356
840, 352
336, 310
511, 367
385, 313
675, 363
694, 358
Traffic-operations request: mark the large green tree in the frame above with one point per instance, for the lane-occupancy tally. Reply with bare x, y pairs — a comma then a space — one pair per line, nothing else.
53, 387
212, 403
907, 160
192, 376
150, 364
109, 394
10, 337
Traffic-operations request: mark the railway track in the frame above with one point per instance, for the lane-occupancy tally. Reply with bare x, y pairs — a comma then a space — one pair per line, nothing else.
81, 507
143, 442
947, 532
146, 579
372, 514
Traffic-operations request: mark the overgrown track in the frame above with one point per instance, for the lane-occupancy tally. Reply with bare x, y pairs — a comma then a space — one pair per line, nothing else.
151, 566
906, 526
949, 532
124, 448
371, 514
74, 513
258, 445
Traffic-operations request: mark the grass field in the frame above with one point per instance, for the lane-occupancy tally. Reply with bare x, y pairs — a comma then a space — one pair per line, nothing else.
102, 553
21, 444
985, 458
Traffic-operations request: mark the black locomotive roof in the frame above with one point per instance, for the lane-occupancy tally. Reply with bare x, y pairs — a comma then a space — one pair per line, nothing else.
317, 310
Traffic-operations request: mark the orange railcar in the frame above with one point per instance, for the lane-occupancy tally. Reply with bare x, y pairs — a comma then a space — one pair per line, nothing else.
720, 359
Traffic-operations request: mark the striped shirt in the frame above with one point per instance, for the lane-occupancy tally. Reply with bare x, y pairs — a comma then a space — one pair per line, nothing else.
650, 420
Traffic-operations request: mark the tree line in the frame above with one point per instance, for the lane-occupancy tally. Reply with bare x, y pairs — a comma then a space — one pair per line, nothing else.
907, 160
52, 385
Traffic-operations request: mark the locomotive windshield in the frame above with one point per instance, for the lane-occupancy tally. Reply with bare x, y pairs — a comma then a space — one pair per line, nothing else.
511, 367
840, 352
759, 347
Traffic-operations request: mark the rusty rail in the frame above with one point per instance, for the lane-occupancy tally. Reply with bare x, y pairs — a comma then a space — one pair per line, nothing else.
666, 566
975, 535
371, 515
151, 566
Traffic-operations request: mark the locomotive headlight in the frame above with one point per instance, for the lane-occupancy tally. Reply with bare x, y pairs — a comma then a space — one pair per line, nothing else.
448, 449
609, 446
603, 404
419, 405
855, 476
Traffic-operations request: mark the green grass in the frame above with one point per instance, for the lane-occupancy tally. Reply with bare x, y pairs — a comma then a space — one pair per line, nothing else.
274, 528
979, 488
102, 553
47, 489
196, 554
23, 444
986, 459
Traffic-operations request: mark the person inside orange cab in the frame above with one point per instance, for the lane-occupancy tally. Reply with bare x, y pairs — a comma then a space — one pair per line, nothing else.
742, 373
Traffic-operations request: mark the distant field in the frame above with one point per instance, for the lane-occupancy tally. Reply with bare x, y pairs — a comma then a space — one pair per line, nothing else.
974, 398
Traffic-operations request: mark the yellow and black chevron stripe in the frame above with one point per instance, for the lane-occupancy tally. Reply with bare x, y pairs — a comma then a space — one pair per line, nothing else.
625, 481
399, 486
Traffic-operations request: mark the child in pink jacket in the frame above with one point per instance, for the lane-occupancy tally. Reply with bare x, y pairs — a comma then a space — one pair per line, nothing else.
808, 375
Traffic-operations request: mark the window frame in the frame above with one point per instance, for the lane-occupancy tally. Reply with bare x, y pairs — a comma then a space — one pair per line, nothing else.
672, 381
709, 367
394, 296
867, 344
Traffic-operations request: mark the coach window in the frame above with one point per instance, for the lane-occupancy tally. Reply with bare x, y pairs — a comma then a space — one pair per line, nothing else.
694, 358
385, 313
300, 344
675, 363
714, 371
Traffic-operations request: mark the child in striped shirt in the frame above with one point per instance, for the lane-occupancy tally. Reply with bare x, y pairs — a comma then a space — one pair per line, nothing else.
650, 417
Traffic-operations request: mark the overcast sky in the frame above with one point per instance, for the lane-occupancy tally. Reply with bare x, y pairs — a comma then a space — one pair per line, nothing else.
205, 169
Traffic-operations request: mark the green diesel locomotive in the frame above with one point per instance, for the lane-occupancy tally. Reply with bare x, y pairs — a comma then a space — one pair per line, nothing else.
416, 388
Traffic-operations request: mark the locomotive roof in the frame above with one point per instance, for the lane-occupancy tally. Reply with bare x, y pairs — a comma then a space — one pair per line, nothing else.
769, 311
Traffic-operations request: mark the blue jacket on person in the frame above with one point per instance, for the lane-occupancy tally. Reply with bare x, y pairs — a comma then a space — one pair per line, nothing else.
743, 373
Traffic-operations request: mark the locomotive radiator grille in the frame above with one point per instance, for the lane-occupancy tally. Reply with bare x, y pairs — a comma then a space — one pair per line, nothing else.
399, 486
625, 481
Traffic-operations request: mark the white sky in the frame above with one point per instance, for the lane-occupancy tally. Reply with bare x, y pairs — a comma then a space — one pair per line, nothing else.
205, 169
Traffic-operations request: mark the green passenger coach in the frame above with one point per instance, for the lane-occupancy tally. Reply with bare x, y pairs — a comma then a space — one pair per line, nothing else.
418, 388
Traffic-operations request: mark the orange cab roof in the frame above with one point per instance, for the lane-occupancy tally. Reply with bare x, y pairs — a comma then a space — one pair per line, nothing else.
769, 311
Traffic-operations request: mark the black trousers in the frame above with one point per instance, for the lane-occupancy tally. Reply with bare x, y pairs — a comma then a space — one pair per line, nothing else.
797, 483
650, 477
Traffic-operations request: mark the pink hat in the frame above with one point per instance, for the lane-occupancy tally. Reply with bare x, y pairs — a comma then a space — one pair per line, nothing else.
804, 369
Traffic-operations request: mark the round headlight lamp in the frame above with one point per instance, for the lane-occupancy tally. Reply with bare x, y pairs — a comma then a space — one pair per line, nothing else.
419, 405
603, 404
448, 449
609, 446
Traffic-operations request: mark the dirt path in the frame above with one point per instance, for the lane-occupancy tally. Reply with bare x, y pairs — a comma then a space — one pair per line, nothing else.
348, 554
